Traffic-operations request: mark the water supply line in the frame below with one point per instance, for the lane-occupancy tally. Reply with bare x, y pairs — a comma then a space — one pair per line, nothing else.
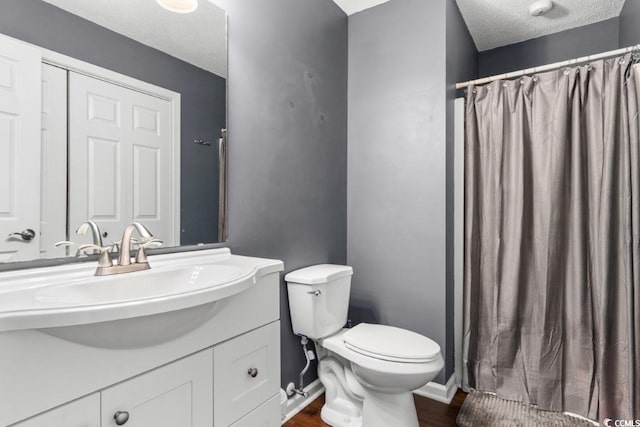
309, 356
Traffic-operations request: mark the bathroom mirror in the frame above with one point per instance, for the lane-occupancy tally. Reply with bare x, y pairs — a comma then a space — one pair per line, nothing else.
112, 111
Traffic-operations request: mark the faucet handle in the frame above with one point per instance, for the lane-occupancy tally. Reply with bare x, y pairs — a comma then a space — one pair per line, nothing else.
117, 244
104, 260
151, 243
141, 256
68, 244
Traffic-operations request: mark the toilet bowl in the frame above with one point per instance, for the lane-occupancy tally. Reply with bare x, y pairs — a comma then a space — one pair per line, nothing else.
368, 371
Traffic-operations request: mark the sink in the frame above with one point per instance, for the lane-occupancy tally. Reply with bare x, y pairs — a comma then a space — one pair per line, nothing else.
179, 292
139, 286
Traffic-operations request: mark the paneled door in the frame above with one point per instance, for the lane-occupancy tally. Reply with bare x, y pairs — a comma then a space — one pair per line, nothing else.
121, 159
19, 151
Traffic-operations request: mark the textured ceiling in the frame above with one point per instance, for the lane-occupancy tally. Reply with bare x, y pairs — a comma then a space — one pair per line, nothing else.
199, 38
495, 23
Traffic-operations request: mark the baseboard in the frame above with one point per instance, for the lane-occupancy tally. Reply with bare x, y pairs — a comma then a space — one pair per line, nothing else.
439, 392
297, 403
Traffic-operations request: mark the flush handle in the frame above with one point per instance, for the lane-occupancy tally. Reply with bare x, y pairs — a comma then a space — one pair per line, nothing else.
121, 417
25, 235
316, 292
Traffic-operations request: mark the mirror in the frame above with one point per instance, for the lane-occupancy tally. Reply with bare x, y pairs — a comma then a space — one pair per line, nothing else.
111, 111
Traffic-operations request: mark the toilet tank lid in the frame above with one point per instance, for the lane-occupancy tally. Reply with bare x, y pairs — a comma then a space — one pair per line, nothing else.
318, 274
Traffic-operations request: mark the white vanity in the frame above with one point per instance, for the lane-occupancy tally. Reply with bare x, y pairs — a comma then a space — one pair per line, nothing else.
193, 342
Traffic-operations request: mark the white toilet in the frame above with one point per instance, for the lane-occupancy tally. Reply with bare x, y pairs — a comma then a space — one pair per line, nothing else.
368, 371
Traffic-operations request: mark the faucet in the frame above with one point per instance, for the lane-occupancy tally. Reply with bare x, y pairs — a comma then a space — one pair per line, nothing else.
125, 247
82, 230
95, 232
124, 265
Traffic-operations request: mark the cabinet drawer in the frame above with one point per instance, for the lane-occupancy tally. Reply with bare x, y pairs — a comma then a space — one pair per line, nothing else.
83, 412
246, 373
266, 415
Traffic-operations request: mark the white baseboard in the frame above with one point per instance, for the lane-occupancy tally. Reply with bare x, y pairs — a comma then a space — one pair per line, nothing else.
439, 392
297, 403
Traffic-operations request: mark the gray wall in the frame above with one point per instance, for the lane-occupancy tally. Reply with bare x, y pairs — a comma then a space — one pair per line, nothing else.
574, 43
397, 166
203, 95
288, 139
629, 33
462, 65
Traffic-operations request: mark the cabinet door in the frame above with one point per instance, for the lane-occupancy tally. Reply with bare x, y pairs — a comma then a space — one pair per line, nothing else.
178, 394
83, 412
246, 373
266, 415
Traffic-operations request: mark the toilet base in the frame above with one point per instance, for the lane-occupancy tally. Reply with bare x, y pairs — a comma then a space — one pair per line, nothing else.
350, 404
384, 410
339, 419
379, 410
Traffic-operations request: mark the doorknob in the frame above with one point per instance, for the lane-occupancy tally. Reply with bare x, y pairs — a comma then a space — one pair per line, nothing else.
26, 235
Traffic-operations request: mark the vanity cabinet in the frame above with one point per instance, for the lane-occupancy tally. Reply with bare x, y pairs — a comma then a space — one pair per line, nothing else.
213, 364
235, 383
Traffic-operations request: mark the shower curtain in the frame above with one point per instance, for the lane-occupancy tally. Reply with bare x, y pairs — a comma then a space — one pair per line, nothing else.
552, 225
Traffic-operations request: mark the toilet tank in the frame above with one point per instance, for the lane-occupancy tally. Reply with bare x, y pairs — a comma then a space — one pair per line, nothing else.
319, 299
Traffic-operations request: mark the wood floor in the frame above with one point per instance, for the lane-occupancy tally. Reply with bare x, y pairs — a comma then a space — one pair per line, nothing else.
430, 413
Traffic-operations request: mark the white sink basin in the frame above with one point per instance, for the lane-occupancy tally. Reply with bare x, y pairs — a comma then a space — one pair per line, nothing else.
139, 286
183, 284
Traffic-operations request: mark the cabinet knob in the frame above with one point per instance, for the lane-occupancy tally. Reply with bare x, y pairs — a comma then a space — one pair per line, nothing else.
253, 372
121, 417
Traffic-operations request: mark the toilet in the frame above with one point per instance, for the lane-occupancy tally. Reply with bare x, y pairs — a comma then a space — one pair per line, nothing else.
368, 371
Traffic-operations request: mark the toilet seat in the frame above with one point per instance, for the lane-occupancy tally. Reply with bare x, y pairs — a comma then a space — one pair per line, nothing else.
391, 344
335, 343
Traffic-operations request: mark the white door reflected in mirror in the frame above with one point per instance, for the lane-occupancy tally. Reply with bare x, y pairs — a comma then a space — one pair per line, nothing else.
19, 151
121, 159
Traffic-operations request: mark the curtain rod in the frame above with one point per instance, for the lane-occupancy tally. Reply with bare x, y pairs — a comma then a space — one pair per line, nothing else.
549, 67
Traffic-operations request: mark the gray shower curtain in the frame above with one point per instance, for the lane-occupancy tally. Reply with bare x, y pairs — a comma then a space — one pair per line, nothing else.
552, 225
